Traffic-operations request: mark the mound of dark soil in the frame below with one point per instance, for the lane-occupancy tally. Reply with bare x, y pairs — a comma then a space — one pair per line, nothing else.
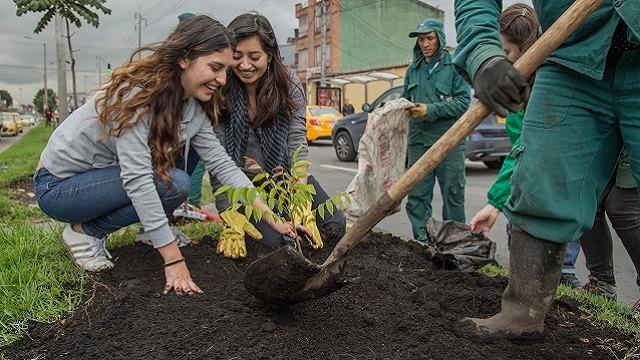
397, 308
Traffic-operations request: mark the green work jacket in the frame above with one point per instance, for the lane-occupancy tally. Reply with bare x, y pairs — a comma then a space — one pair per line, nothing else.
438, 85
584, 51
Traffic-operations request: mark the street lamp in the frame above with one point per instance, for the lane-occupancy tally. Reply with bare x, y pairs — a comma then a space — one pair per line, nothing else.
44, 95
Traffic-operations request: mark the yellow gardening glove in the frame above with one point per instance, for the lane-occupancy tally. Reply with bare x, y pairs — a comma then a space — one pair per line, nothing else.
418, 111
308, 220
231, 243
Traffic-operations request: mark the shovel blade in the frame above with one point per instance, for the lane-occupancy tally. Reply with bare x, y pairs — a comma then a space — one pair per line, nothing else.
286, 277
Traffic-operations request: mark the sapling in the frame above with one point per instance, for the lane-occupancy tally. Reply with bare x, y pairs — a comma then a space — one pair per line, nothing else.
285, 194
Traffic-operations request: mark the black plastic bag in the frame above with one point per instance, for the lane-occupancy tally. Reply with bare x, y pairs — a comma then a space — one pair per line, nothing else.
454, 247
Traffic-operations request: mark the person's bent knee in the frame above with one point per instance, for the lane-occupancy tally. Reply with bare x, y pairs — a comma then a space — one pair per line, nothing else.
178, 189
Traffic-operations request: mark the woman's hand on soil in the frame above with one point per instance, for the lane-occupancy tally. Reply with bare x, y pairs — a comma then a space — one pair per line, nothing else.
284, 228
484, 219
179, 280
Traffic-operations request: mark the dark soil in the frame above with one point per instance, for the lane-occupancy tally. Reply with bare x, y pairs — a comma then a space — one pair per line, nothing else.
397, 308
22, 192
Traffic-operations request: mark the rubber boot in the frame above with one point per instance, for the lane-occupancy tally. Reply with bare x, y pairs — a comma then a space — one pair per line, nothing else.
534, 273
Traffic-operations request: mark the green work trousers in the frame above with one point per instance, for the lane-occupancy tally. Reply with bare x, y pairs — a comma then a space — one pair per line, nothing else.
451, 180
196, 184
573, 131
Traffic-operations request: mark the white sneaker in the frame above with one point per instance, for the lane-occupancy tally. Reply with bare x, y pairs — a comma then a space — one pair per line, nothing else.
88, 252
181, 239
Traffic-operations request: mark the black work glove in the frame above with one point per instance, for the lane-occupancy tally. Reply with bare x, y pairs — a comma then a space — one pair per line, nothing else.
500, 86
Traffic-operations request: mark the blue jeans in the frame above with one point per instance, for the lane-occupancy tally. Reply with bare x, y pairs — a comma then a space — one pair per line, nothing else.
97, 200
570, 257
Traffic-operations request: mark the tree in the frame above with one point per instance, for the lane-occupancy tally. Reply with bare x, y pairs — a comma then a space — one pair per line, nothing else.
6, 98
72, 11
51, 100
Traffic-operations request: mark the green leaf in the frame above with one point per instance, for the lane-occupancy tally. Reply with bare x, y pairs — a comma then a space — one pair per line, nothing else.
301, 163
338, 201
294, 158
257, 214
321, 211
330, 206
248, 210
261, 176
300, 174
237, 194
251, 195
221, 190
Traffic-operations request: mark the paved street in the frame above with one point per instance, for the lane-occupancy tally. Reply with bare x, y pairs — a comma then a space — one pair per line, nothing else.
7, 141
335, 176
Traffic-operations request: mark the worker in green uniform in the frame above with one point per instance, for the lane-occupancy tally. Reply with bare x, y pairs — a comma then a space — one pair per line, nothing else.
583, 108
441, 97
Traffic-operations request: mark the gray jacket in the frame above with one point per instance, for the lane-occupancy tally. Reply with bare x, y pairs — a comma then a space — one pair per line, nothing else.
79, 145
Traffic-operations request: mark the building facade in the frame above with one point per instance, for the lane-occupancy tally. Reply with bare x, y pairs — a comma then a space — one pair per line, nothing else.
366, 49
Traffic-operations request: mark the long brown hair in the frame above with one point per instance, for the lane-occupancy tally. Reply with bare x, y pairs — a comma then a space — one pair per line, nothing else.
151, 87
272, 94
519, 24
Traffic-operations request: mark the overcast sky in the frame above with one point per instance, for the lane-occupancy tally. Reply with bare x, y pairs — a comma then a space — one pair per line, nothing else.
21, 59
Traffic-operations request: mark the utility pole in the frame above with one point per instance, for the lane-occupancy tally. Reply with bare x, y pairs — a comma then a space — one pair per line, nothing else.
323, 53
139, 26
45, 98
100, 61
63, 109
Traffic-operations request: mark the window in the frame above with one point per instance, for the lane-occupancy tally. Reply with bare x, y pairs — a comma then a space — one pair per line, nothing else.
302, 60
302, 26
319, 14
390, 95
327, 59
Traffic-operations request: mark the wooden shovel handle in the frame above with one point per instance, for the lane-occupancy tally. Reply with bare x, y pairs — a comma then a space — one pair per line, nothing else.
530, 60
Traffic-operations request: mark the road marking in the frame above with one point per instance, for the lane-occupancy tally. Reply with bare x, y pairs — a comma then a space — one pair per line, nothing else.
355, 171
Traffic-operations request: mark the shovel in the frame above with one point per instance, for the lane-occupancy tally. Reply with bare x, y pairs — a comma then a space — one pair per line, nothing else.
285, 276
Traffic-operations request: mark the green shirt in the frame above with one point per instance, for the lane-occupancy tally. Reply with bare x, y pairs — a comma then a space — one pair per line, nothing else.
584, 51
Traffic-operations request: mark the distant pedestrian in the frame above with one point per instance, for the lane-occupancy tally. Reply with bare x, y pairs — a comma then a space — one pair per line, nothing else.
347, 108
48, 114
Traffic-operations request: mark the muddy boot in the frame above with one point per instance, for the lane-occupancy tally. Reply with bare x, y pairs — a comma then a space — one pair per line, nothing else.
534, 274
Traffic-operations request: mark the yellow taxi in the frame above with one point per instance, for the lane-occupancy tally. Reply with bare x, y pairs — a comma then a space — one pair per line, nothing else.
320, 121
27, 120
11, 124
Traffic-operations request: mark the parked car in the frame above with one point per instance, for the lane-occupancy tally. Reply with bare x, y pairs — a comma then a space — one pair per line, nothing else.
10, 125
347, 132
28, 120
18, 118
488, 143
320, 121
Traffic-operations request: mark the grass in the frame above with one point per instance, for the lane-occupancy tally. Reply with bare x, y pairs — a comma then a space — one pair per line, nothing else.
20, 160
596, 309
17, 163
37, 280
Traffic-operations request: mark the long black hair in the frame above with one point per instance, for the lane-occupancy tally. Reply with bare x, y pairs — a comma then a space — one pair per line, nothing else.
272, 96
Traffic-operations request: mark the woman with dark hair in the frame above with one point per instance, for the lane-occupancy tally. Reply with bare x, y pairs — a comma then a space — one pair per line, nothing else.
263, 123
124, 156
